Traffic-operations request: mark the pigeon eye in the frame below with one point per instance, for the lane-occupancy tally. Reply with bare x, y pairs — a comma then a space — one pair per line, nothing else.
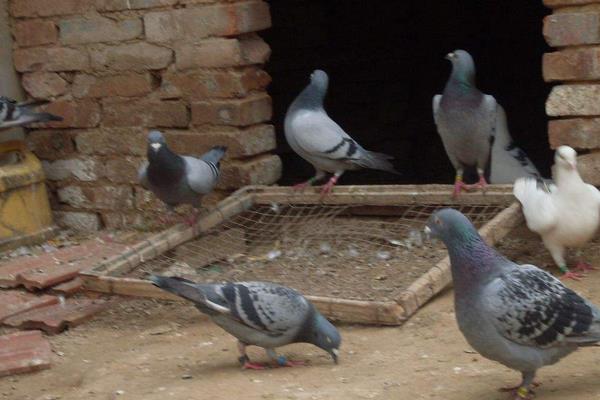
437, 221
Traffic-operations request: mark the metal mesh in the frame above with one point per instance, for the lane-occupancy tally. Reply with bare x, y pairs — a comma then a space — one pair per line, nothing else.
329, 250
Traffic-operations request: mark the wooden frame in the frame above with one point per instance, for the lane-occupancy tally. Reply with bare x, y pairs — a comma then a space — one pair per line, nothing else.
106, 277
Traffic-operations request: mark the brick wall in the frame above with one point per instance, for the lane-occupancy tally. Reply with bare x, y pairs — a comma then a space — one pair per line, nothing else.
116, 68
574, 103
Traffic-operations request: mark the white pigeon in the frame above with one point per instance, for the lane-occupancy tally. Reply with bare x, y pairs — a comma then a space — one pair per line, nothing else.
564, 214
508, 162
323, 143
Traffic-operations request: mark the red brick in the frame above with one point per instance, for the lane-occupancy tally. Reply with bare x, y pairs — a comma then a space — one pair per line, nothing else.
50, 59
44, 85
98, 29
23, 352
51, 144
219, 52
131, 57
192, 24
123, 169
248, 111
145, 113
112, 141
125, 85
56, 318
213, 84
35, 33
83, 169
76, 114
41, 8
240, 142
565, 3
568, 29
261, 170
120, 5
68, 288
98, 197
574, 100
10, 271
589, 167
579, 133
13, 302
119, 220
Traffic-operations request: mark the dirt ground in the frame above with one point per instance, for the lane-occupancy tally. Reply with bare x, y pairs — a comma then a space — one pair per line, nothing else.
143, 349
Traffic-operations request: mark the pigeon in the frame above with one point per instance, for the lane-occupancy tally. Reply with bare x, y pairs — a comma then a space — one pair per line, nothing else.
564, 214
259, 314
517, 315
465, 119
18, 114
508, 161
176, 179
323, 143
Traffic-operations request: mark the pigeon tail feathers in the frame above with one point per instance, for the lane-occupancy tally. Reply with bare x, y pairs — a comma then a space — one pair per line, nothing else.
214, 155
377, 161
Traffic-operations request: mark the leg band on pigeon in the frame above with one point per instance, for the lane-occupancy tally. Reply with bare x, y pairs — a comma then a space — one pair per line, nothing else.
522, 392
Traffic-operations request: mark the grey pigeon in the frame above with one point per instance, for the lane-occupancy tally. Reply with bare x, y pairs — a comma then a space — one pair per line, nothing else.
323, 143
18, 114
176, 179
518, 315
259, 314
465, 119
565, 214
508, 162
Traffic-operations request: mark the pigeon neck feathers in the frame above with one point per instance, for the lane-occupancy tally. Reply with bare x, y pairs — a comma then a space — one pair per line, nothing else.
311, 98
165, 167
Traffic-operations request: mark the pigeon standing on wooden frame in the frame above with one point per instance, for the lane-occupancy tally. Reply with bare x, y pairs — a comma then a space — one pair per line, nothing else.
319, 140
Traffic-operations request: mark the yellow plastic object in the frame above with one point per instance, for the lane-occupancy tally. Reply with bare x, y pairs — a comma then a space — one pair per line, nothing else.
25, 216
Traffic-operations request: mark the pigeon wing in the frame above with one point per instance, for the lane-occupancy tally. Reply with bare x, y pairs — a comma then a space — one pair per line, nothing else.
201, 176
143, 175
537, 203
530, 307
436, 106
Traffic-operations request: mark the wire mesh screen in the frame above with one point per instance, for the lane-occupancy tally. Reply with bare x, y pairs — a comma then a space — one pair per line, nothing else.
327, 250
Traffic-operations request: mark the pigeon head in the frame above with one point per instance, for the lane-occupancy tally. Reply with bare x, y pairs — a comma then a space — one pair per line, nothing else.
156, 141
448, 224
320, 80
463, 67
325, 336
565, 158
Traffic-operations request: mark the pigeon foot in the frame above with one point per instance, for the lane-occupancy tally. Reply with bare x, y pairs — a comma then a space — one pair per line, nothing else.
328, 187
247, 364
300, 186
583, 267
576, 276
519, 392
481, 184
282, 361
459, 186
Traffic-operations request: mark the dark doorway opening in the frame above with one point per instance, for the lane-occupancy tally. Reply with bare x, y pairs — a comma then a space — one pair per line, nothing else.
386, 60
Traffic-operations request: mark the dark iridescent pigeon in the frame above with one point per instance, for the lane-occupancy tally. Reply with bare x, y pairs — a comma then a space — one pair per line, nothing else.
176, 179
518, 315
18, 114
259, 314
323, 143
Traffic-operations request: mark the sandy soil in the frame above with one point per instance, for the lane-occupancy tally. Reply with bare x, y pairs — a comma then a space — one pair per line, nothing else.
150, 350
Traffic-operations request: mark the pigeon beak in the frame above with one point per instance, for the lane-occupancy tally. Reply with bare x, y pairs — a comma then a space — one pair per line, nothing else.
427, 231
450, 56
155, 146
572, 165
335, 353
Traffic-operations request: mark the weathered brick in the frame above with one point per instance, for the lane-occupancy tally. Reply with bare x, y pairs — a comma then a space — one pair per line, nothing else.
131, 57
98, 29
580, 133
51, 144
111, 141
79, 221
145, 113
572, 64
50, 59
119, 5
220, 52
576, 100
124, 85
84, 170
98, 197
119, 220
568, 29
240, 142
261, 170
565, 3
213, 84
35, 32
191, 24
243, 112
44, 85
589, 167
23, 352
42, 8
76, 114
123, 169
146, 200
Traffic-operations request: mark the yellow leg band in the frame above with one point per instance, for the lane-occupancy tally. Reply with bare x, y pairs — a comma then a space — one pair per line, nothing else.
522, 392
